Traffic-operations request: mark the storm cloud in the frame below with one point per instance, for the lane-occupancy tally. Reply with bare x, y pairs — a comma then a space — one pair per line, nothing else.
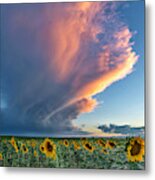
55, 58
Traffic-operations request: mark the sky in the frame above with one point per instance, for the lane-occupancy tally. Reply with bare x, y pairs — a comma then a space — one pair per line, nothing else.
123, 101
67, 68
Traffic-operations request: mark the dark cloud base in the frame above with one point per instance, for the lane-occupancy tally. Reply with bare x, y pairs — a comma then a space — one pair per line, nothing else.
124, 130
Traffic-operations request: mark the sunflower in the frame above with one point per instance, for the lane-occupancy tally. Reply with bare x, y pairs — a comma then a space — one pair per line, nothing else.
33, 143
76, 145
60, 142
12, 141
14, 144
35, 153
104, 151
1, 157
50, 148
135, 149
66, 142
24, 149
101, 143
42, 148
110, 144
88, 146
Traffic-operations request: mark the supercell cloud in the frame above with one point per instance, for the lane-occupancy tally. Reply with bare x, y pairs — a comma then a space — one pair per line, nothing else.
55, 58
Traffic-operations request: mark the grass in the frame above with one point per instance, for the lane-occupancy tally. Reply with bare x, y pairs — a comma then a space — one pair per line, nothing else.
96, 153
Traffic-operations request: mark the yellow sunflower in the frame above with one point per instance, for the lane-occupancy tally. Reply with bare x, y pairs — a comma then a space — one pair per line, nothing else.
35, 153
12, 141
104, 151
110, 144
101, 143
24, 149
42, 148
88, 146
14, 144
76, 145
66, 142
135, 149
50, 148
1, 157
33, 143
59, 142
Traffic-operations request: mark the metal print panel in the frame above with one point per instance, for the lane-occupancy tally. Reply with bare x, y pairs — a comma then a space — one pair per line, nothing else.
72, 85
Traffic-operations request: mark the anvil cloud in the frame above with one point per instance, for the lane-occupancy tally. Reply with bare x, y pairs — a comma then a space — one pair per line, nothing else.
56, 57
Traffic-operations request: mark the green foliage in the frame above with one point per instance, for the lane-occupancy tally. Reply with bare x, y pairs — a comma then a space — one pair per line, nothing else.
68, 156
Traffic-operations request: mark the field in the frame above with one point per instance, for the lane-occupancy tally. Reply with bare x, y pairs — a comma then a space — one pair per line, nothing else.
97, 153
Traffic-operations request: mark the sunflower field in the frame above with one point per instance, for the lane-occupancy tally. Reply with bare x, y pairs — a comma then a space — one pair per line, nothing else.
96, 153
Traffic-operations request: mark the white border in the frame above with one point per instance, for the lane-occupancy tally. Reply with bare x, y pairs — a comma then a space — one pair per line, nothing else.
31, 1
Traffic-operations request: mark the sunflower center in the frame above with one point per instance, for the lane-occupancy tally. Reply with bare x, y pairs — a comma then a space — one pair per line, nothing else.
135, 149
102, 143
49, 147
24, 148
112, 144
66, 143
88, 146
